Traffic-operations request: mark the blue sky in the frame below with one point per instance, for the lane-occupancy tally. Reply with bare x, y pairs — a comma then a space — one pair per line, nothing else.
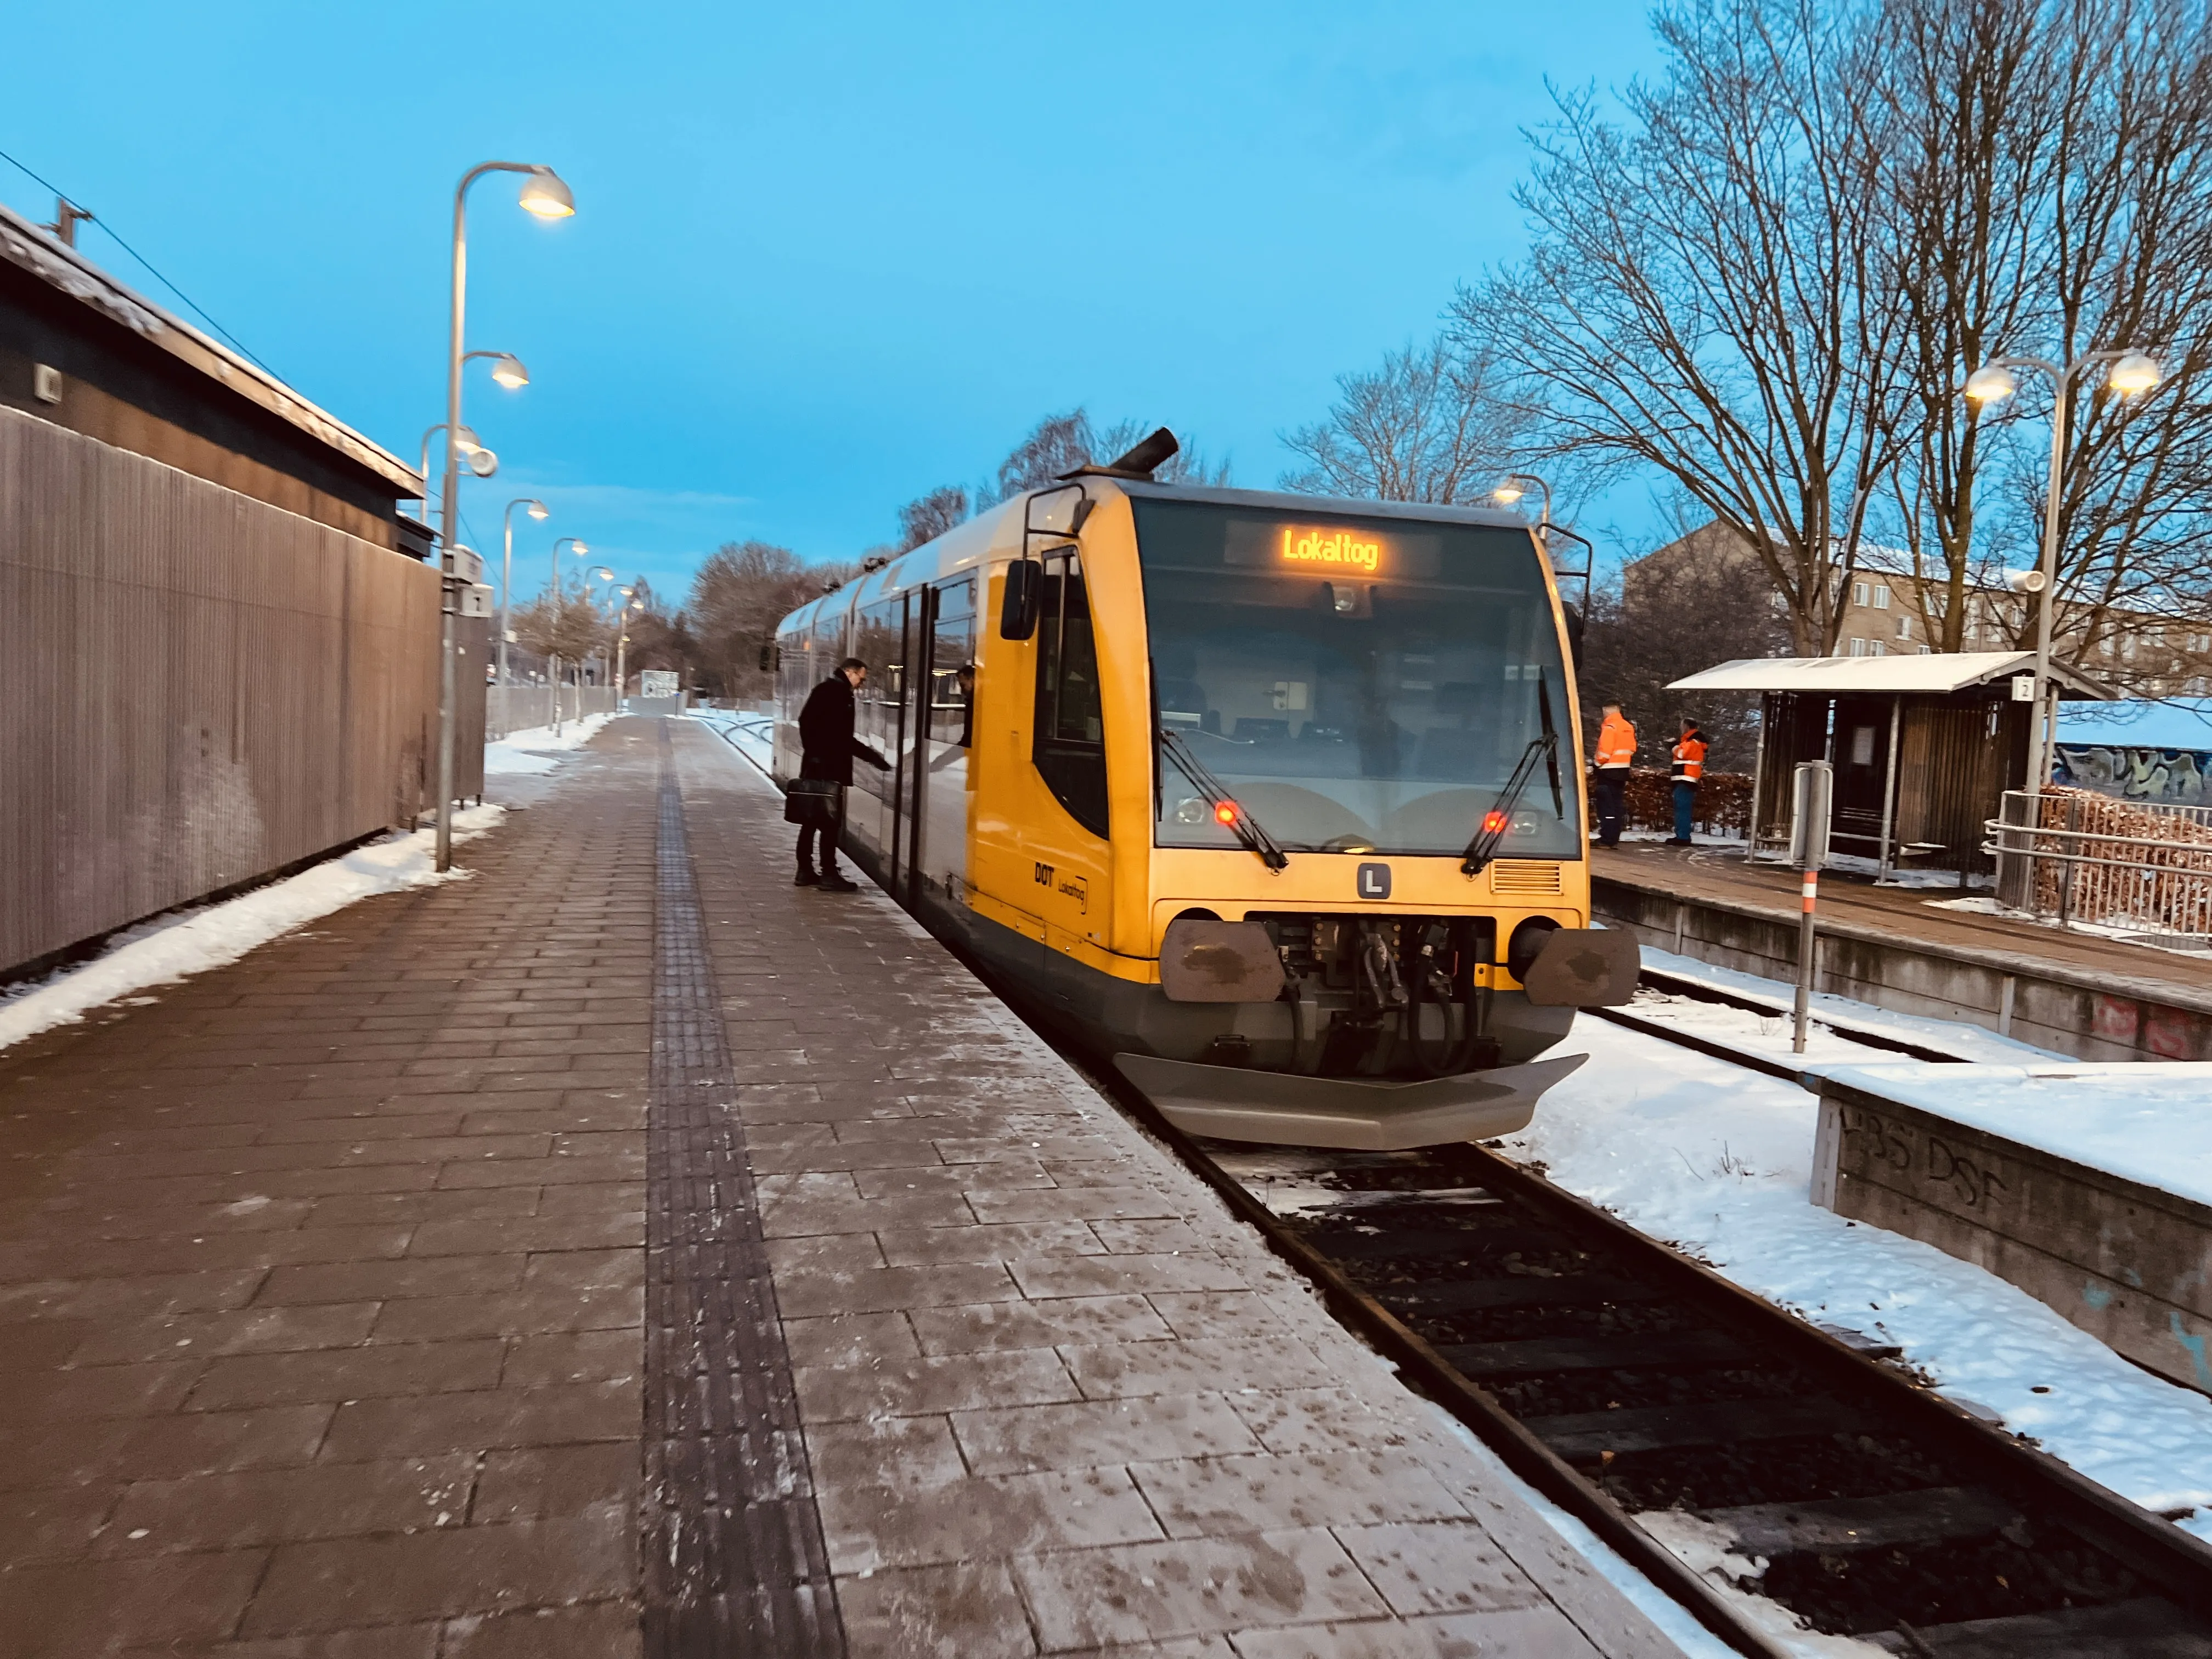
826, 258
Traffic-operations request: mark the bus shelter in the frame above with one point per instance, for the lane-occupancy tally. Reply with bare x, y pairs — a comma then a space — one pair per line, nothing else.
1923, 749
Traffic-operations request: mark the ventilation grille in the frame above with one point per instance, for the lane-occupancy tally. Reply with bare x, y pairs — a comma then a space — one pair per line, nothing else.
1525, 880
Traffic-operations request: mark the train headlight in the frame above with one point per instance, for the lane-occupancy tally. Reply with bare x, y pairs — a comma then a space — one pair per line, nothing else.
1526, 944
1190, 810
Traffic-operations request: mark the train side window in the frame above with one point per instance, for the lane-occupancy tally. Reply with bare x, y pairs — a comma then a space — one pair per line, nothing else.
951, 674
1068, 745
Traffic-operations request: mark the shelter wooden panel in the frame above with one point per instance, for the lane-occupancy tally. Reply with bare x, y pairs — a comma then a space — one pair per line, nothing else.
202, 688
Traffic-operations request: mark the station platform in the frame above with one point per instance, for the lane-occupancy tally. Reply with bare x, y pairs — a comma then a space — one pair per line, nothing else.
2073, 993
618, 1251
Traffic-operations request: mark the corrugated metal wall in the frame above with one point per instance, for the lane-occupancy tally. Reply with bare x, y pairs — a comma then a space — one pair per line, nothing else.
197, 688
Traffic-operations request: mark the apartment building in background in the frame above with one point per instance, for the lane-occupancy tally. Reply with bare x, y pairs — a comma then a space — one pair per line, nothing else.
1888, 610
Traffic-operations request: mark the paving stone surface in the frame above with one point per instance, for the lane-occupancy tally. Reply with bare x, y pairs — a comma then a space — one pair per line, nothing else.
1056, 1399
321, 1274
324, 1288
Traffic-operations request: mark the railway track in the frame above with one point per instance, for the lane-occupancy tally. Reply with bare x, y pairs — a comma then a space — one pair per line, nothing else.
1705, 1434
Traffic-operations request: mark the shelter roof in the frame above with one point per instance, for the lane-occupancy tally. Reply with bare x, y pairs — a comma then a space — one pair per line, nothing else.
1934, 673
28, 248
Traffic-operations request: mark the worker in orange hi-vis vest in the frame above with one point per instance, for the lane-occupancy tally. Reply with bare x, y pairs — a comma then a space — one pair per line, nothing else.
1689, 770
1616, 753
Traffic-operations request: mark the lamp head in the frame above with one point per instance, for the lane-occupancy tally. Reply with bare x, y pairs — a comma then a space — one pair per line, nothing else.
1991, 383
2137, 372
579, 548
538, 510
604, 574
508, 371
1507, 492
465, 440
545, 195
482, 462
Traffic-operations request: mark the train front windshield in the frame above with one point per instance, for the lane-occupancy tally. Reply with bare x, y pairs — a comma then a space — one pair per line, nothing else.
1357, 685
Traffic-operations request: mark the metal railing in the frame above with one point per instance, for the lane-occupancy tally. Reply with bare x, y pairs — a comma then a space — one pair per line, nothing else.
2126, 866
512, 709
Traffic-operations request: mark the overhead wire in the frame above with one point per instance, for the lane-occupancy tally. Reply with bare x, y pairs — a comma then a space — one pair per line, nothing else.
186, 300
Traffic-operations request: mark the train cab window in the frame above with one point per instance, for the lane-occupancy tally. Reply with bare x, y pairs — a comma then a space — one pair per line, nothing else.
1068, 745
1362, 685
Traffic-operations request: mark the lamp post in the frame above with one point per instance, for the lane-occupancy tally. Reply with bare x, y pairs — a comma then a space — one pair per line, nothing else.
601, 574
2133, 371
537, 510
553, 598
1515, 486
469, 447
544, 194
622, 646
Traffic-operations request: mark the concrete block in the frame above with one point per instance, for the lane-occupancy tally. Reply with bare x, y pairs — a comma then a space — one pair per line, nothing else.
2129, 1264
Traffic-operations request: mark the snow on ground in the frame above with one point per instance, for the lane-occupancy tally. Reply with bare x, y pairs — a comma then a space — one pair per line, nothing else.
1718, 1162
535, 749
1840, 1013
2140, 1119
190, 942
750, 733
2177, 943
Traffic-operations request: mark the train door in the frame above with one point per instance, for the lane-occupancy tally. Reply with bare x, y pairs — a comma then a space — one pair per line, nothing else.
909, 777
869, 814
1072, 870
946, 734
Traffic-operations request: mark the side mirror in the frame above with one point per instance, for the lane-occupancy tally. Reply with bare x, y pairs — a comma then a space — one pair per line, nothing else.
1018, 610
771, 656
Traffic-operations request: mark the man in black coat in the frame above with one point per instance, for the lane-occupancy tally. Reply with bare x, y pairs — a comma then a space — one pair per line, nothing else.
827, 752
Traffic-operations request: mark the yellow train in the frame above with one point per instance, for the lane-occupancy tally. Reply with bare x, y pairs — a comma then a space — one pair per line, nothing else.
1274, 799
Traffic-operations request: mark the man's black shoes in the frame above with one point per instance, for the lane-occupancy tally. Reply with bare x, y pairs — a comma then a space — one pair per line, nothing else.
806, 877
833, 881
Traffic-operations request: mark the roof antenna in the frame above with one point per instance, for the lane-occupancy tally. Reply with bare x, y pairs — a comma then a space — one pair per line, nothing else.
1140, 462
66, 215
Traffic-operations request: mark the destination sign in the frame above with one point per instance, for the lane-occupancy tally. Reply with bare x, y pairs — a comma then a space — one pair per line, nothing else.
1344, 550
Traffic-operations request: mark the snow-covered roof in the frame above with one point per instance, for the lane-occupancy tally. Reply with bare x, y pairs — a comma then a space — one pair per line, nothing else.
1934, 673
28, 248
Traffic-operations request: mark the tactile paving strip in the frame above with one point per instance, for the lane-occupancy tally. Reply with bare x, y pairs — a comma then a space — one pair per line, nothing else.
733, 1561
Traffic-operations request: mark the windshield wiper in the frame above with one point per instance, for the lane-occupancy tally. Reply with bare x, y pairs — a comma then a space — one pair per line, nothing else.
1248, 828
1499, 818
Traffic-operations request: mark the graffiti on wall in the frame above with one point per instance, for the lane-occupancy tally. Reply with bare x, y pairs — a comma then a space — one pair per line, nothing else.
2169, 777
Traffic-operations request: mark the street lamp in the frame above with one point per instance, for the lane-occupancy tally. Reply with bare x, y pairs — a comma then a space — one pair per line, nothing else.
468, 448
553, 598
506, 369
2133, 372
545, 195
537, 510
1515, 486
622, 646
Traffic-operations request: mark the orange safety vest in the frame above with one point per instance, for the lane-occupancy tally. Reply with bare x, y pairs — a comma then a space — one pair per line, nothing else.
1690, 760
1616, 743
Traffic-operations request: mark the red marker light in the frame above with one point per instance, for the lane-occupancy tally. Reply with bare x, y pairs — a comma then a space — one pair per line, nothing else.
1492, 822
1226, 812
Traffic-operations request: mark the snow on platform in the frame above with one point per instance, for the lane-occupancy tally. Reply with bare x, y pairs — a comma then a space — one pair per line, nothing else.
2148, 1121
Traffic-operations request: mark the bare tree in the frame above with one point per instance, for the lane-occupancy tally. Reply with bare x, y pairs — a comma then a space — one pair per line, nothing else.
741, 593
2130, 264
566, 625
1654, 625
1059, 444
1427, 425
1701, 301
928, 516
1965, 95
